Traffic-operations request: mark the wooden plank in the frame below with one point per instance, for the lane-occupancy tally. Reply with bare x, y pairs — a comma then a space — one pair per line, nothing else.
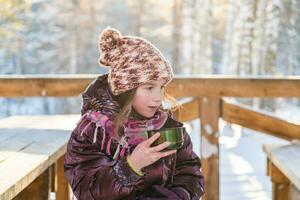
181, 86
41, 122
210, 113
50, 85
287, 159
259, 121
20, 139
268, 169
189, 111
221, 86
5, 136
29, 163
35, 149
276, 175
294, 193
52, 177
280, 191
39, 189
61, 183
280, 183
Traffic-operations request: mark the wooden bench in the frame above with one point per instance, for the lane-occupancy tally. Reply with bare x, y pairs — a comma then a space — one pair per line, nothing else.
284, 169
29, 147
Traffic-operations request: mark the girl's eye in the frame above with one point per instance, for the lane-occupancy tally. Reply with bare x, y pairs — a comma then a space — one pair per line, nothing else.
151, 87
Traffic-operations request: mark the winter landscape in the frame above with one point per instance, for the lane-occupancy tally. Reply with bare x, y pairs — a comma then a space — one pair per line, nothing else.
226, 38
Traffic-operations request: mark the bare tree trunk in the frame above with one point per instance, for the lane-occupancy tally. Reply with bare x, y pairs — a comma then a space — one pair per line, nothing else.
193, 39
139, 15
247, 38
73, 43
177, 25
229, 60
201, 36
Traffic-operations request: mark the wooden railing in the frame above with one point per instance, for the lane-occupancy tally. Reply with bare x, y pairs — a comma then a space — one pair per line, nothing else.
208, 104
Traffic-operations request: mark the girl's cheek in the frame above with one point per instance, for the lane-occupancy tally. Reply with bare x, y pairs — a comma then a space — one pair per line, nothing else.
148, 93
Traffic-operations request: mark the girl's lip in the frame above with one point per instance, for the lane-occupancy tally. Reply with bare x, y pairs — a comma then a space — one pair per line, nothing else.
152, 107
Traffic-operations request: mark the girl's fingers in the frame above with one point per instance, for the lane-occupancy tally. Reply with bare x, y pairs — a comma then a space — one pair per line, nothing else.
152, 139
167, 153
160, 147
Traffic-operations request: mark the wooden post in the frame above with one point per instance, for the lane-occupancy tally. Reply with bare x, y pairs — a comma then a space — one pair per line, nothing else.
61, 183
39, 189
210, 111
52, 177
280, 183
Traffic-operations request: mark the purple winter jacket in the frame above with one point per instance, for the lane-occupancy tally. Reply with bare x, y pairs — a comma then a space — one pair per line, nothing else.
92, 174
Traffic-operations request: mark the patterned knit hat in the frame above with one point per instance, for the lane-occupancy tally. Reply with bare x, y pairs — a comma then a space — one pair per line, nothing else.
132, 61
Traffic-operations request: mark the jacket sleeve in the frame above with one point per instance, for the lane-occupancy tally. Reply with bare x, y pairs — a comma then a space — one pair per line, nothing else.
188, 181
94, 175
188, 171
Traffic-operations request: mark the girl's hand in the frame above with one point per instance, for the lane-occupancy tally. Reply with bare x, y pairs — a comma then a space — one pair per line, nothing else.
144, 155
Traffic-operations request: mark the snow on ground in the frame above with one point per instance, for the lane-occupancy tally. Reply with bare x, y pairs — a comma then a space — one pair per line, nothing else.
242, 161
243, 166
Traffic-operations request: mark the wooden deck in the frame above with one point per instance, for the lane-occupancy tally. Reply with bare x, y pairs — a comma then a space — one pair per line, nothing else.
29, 145
209, 104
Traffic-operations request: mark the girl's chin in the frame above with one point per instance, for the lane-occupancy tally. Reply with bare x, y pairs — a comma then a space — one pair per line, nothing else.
145, 112
148, 115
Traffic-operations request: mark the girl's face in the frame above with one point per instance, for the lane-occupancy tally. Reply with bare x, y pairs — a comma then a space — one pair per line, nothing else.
148, 97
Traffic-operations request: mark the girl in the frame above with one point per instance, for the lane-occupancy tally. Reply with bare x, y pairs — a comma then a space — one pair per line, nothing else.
107, 158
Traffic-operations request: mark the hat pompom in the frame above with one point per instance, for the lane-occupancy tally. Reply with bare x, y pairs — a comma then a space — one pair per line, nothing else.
109, 39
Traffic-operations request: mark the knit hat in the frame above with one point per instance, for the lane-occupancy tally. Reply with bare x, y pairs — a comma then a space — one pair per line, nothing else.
132, 61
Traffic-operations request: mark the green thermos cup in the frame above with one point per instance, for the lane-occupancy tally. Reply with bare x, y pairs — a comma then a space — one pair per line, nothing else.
172, 135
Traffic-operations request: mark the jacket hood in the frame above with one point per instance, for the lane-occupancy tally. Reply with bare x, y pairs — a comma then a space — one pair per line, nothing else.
97, 96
